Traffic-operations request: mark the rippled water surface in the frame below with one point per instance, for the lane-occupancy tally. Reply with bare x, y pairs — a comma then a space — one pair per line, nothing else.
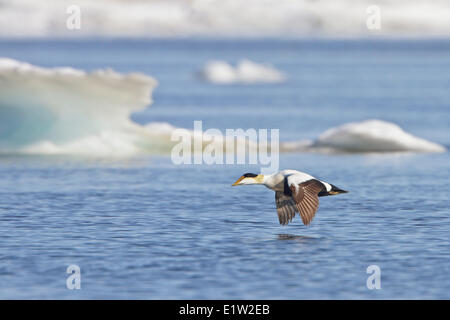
146, 228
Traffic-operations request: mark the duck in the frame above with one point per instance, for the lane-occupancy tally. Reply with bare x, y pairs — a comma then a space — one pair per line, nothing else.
295, 192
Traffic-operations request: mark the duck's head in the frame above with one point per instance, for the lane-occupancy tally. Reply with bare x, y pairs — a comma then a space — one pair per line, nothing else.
249, 178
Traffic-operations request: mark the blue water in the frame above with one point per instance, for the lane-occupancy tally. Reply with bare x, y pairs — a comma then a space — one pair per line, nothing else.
146, 228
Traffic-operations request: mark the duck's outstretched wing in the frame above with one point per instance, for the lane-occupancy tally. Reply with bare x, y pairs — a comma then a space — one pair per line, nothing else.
306, 197
286, 207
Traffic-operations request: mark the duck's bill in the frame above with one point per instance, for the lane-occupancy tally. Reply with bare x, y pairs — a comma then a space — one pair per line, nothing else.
237, 182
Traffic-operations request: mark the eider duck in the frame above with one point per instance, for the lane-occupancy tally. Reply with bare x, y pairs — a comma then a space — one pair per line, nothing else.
295, 191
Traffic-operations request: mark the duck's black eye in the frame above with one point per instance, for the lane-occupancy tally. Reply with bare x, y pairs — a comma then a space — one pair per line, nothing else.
249, 175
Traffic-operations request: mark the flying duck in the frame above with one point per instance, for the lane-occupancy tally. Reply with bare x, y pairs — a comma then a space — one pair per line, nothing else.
295, 191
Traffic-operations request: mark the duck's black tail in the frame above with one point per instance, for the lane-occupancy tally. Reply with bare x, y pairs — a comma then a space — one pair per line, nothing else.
334, 190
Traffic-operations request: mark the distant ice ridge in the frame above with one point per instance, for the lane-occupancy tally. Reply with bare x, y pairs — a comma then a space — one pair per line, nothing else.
365, 136
246, 71
69, 111
236, 18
